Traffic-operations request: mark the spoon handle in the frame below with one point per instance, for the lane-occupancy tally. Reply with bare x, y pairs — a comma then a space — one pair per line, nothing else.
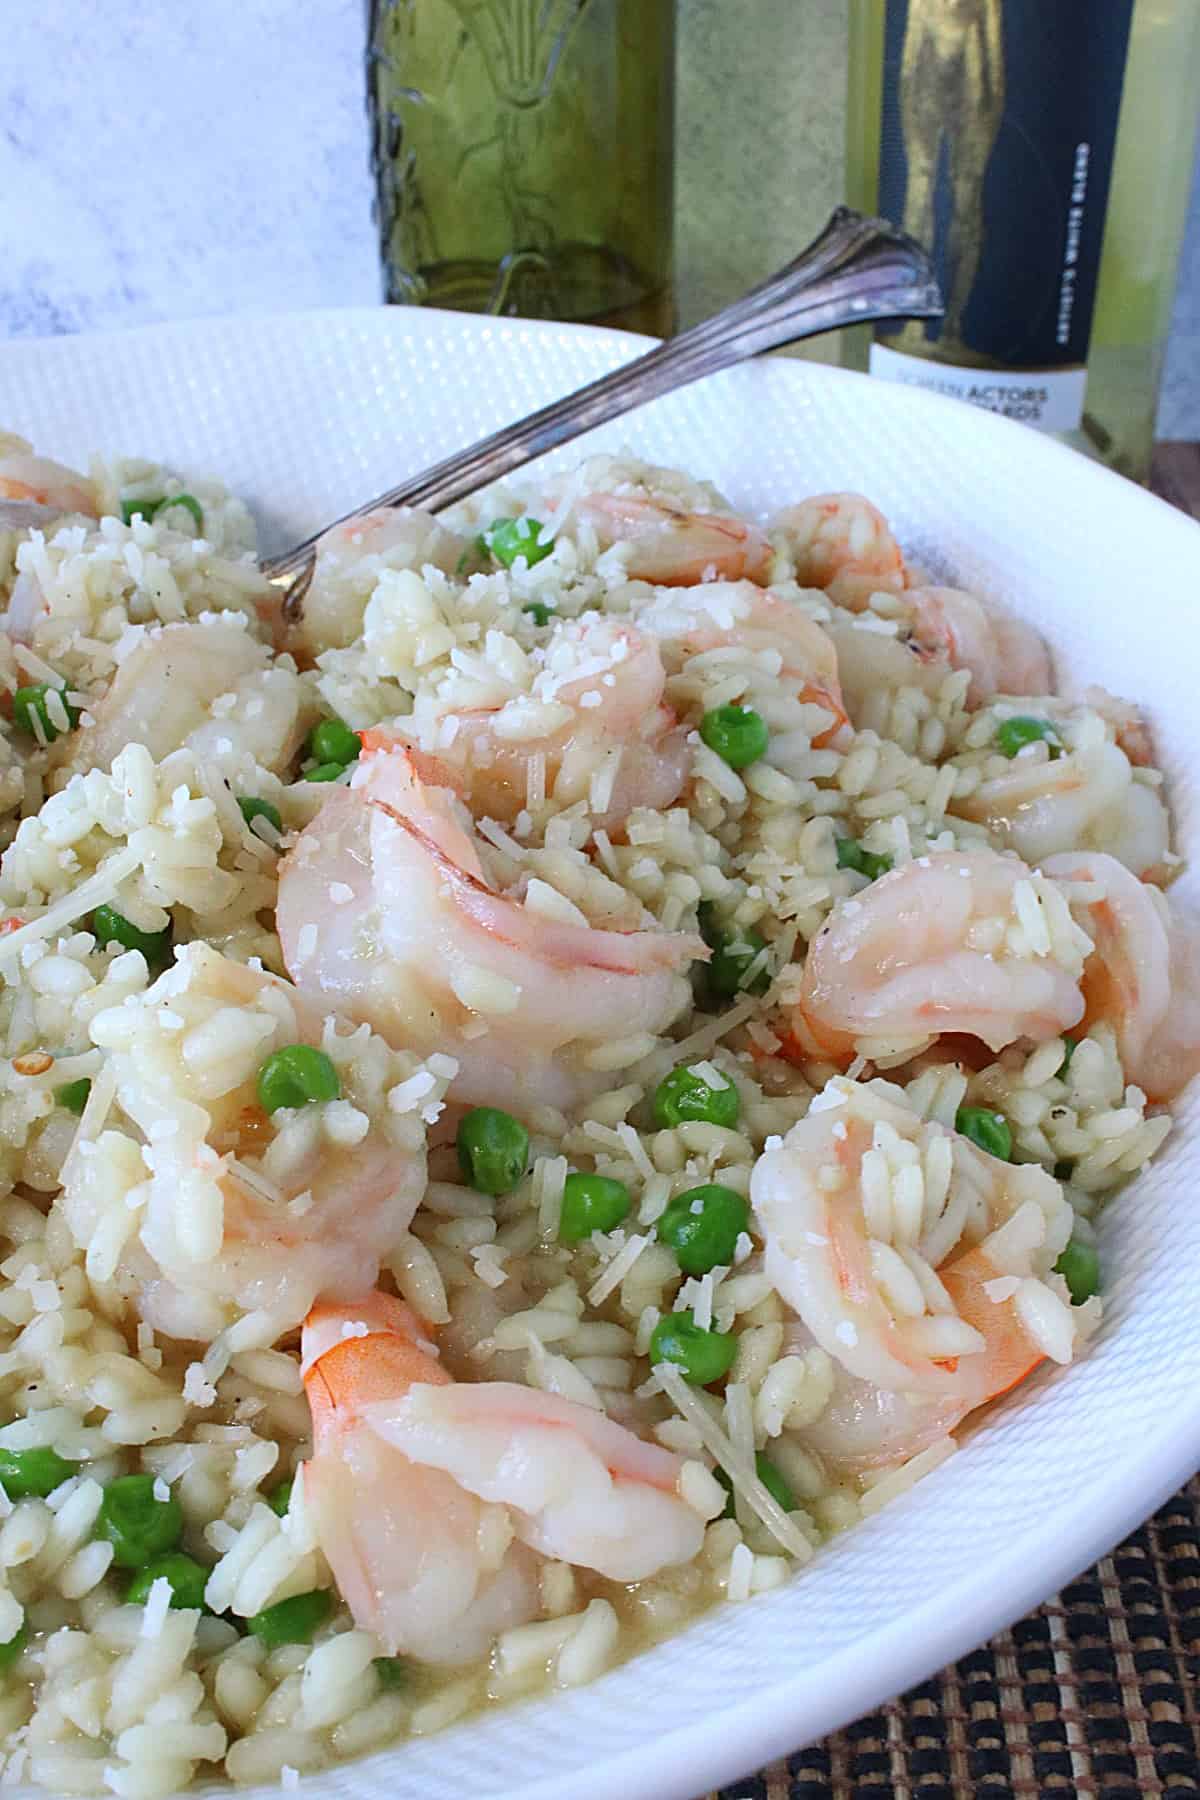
856, 270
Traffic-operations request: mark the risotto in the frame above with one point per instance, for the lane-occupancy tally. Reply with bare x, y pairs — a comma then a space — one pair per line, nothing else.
539, 1084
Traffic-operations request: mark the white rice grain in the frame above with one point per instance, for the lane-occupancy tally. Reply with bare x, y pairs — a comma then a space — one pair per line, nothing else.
741, 1573
590, 1647
1046, 1319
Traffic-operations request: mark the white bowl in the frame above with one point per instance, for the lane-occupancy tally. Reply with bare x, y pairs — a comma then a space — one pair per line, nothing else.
307, 415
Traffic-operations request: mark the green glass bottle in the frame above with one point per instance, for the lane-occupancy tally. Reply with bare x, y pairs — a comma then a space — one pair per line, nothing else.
523, 156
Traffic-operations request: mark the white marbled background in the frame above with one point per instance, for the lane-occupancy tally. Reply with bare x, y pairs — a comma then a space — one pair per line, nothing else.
165, 161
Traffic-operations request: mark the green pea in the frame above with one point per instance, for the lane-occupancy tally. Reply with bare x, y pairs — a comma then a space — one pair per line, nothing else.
701, 1356
138, 1526
38, 1472
324, 772
297, 1075
253, 808
187, 1579
1079, 1267
774, 1482
990, 1130
188, 501
73, 1094
683, 1094
539, 613
731, 958
30, 704
493, 1149
280, 1497
737, 734
592, 1203
507, 539
771, 1479
1069, 1049
851, 855
733, 948
332, 741
703, 1225
111, 927
292, 1621
147, 506
1013, 734
12, 1647
392, 1672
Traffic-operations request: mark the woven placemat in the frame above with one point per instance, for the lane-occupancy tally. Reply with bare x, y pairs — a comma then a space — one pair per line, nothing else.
1095, 1694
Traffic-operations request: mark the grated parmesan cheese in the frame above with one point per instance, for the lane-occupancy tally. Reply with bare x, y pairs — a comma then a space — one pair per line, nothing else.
741, 1570
158, 1604
617, 1269
98, 890
740, 1471
197, 1391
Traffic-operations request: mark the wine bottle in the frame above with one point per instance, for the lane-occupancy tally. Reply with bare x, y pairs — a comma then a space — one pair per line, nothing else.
1042, 149
523, 155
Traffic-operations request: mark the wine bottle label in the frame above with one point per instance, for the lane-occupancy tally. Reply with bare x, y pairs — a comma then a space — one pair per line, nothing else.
998, 128
1051, 399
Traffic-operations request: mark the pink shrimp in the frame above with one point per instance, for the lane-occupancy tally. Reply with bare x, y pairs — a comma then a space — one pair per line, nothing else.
1129, 726
905, 1252
1143, 976
841, 543
24, 476
162, 696
416, 943
1004, 655
738, 614
938, 629
602, 687
926, 950
864, 1427
1085, 798
407, 1464
233, 1216
350, 559
672, 547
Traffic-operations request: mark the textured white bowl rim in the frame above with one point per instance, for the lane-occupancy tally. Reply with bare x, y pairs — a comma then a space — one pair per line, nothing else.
1149, 554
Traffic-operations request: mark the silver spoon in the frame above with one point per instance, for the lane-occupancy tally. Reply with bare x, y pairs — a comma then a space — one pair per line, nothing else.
857, 269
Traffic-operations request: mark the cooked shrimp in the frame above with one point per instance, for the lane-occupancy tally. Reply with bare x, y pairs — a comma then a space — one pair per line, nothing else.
593, 726
1004, 655
737, 615
866, 1427
917, 1262
1087, 797
162, 696
1128, 724
24, 476
1143, 976
410, 1469
277, 1210
863, 1426
407, 1544
874, 663
960, 941
350, 560
937, 630
384, 910
841, 543
672, 547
